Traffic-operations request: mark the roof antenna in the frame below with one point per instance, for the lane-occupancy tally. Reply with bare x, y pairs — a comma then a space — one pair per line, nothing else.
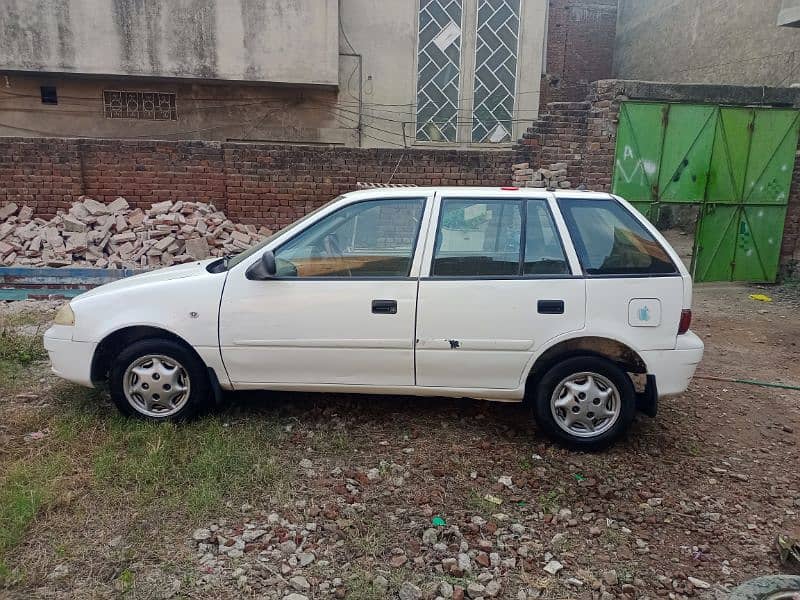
551, 189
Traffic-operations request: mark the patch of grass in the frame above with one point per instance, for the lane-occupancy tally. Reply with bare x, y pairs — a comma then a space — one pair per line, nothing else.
371, 538
194, 466
27, 317
332, 442
25, 491
19, 348
612, 536
126, 580
626, 572
82, 411
551, 501
9, 373
360, 584
459, 581
477, 505
360, 587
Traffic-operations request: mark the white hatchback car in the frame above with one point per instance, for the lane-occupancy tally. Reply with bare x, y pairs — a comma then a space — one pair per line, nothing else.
569, 300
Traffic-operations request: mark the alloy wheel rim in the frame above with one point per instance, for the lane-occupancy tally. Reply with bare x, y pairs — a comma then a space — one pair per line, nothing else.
585, 404
156, 385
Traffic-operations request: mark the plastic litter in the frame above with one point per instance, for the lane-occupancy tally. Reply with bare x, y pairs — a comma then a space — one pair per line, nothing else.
438, 521
579, 477
35, 436
760, 297
493, 499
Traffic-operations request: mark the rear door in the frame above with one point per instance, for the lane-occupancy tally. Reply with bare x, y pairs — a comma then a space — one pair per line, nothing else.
497, 284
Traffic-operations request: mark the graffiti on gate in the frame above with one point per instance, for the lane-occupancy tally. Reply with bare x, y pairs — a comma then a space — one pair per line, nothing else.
631, 166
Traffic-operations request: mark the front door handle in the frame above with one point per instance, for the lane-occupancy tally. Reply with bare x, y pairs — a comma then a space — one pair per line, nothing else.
551, 307
384, 307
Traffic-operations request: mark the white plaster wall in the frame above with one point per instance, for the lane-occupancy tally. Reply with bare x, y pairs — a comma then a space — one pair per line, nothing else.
286, 41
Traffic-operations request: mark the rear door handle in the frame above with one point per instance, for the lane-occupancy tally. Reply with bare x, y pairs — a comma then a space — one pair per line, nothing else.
384, 307
551, 307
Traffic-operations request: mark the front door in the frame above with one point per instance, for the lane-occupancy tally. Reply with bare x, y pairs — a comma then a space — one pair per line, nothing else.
500, 285
341, 310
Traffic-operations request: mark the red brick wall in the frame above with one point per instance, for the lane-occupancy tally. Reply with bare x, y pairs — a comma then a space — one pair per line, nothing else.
151, 171
559, 135
790, 250
273, 185
254, 183
580, 48
44, 175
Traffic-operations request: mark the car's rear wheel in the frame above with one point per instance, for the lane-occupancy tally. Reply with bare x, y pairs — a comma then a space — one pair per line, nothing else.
159, 380
585, 402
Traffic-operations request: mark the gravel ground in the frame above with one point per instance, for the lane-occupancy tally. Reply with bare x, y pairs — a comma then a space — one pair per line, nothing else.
420, 498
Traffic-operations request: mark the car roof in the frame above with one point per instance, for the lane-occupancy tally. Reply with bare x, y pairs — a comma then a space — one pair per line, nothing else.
495, 192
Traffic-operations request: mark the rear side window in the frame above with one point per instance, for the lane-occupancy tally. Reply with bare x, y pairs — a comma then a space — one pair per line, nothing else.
611, 241
544, 254
505, 238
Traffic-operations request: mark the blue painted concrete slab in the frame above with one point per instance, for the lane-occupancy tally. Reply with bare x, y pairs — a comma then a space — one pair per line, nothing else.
20, 283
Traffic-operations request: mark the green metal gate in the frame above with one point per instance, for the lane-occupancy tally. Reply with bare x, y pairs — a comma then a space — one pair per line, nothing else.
735, 164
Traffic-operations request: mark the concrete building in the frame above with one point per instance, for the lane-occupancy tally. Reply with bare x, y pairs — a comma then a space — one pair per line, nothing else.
750, 42
369, 73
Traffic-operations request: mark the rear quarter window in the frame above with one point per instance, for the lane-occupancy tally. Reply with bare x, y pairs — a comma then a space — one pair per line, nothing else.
609, 240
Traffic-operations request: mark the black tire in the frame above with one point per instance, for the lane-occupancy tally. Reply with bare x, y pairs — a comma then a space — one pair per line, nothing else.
199, 396
764, 587
546, 387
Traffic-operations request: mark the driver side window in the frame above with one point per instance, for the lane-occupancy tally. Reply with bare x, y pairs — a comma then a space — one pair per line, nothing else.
375, 238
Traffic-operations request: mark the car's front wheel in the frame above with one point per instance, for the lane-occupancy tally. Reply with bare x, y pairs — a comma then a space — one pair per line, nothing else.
585, 402
159, 380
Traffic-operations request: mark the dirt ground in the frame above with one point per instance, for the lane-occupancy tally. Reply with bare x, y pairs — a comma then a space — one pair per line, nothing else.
317, 496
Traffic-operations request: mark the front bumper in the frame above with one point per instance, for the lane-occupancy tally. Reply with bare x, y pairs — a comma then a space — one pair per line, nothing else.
674, 369
69, 360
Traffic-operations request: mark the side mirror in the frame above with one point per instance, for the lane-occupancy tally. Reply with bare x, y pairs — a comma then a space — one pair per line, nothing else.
264, 268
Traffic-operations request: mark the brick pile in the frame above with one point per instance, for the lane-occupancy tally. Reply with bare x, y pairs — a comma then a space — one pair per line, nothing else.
552, 176
113, 235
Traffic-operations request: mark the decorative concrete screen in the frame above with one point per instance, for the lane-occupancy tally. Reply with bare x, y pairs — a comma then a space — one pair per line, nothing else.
495, 70
438, 69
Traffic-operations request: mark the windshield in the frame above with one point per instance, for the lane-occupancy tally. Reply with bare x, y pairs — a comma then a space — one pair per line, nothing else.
253, 250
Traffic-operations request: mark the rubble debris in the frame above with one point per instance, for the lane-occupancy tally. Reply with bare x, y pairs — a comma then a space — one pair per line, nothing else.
552, 176
115, 236
788, 551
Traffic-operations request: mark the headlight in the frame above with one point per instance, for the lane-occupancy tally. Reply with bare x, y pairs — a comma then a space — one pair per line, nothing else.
65, 316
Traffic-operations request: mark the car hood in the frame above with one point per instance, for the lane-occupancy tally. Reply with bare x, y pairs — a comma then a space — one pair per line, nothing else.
183, 271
